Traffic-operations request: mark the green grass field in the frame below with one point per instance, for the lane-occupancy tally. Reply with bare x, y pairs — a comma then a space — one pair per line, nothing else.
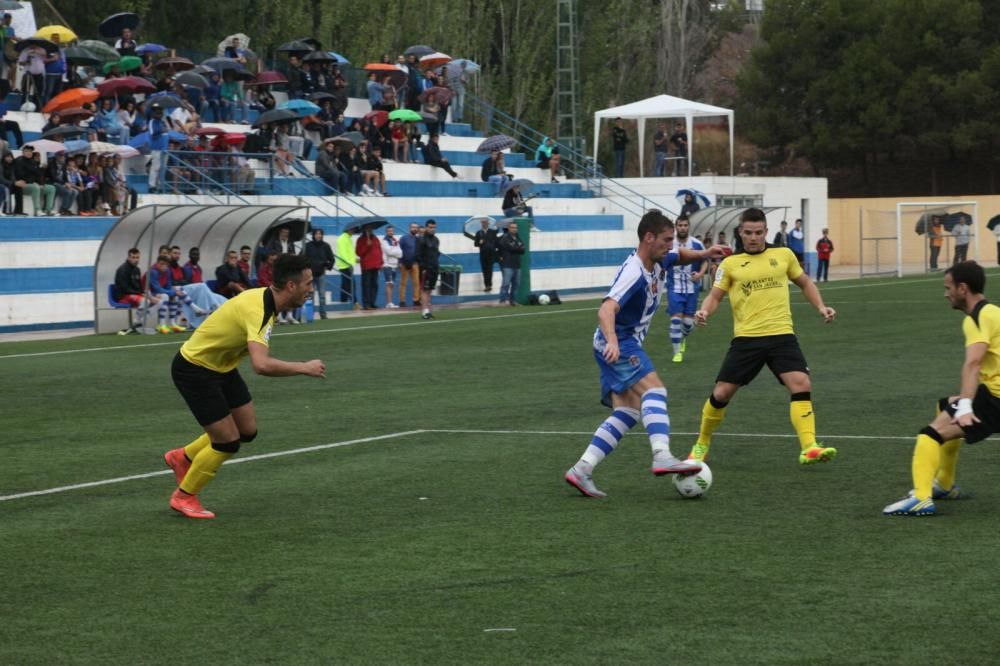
436, 528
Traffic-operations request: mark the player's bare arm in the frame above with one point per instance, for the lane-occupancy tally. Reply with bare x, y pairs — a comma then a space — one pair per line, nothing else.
263, 364
606, 320
811, 292
689, 256
709, 306
970, 381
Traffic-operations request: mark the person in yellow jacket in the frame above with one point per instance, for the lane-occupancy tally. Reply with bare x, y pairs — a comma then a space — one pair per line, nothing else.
344, 260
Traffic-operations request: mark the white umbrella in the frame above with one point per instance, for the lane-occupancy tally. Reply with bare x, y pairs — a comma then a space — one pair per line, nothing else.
125, 152
228, 41
102, 147
43, 146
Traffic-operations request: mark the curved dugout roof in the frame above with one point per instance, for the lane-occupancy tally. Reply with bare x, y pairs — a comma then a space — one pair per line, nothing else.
722, 218
214, 229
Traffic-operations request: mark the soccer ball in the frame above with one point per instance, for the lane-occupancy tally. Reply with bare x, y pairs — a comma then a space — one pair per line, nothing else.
694, 485
543, 299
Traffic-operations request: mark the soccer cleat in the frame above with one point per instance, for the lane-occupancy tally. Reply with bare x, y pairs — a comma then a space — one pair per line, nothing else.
427, 315
698, 452
584, 483
188, 505
679, 357
667, 464
177, 461
953, 493
684, 345
163, 328
817, 453
177, 328
910, 506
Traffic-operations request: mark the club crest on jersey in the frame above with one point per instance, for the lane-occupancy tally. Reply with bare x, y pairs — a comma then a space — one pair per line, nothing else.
774, 263
634, 361
267, 333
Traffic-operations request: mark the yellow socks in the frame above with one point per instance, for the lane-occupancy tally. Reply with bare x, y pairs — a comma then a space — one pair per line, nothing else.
949, 461
926, 461
203, 469
711, 417
195, 447
803, 419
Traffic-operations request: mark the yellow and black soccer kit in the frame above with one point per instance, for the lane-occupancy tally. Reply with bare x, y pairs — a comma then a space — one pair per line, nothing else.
205, 369
983, 327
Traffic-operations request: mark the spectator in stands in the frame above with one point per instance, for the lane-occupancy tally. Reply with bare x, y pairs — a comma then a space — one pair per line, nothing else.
797, 242
158, 143
429, 258
323, 121
28, 176
232, 92
12, 126
511, 251
55, 175
246, 255
320, 260
824, 248
690, 206
33, 81
661, 149
413, 135
374, 91
414, 83
107, 119
128, 281
369, 250
374, 174
352, 162
54, 121
55, 70
328, 168
244, 177
294, 77
344, 260
235, 52
310, 78
10, 178
230, 278
432, 156
76, 181
6, 187
126, 45
213, 101
409, 268
458, 81
780, 236
265, 274
126, 114
494, 171
283, 243
430, 111
400, 142
391, 254
679, 142
388, 95
514, 204
7, 40
192, 269
547, 157
619, 140
487, 242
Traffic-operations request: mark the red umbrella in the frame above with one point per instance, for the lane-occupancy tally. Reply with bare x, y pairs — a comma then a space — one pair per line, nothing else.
381, 67
209, 131
179, 64
442, 95
69, 99
126, 85
72, 115
432, 60
377, 118
268, 78
229, 139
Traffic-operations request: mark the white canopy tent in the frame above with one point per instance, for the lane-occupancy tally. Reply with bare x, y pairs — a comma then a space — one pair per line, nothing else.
664, 106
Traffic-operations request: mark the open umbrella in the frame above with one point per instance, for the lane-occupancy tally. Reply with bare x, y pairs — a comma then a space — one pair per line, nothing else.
381, 67
164, 100
9, 5
151, 48
276, 116
101, 147
313, 43
192, 80
377, 118
221, 64
242, 43
114, 24
268, 78
126, 85
57, 33
318, 97
99, 50
994, 221
126, 152
177, 64
47, 146
505, 222
63, 131
521, 183
340, 60
371, 221
242, 75
76, 55
126, 64
318, 56
341, 140
419, 50
77, 146
397, 78
72, 115
700, 197
474, 224
177, 137
405, 115
229, 139
496, 142
204, 71
432, 60
442, 95
353, 137
295, 46
68, 99
209, 131
300, 107
37, 42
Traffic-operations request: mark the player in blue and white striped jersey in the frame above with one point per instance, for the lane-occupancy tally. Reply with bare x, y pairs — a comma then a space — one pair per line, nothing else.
628, 380
683, 286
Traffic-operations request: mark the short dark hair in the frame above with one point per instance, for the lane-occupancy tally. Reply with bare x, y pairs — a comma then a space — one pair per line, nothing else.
289, 267
753, 215
434, 222
245, 247
175, 247
970, 274
133, 250
682, 216
654, 222
164, 258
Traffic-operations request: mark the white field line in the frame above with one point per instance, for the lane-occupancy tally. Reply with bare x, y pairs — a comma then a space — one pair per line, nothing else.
396, 435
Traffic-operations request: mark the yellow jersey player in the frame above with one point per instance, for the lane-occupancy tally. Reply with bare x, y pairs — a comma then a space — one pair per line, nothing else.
756, 280
205, 372
974, 413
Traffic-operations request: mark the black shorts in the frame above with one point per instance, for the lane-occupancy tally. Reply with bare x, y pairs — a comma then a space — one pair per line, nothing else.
986, 407
209, 395
747, 356
430, 279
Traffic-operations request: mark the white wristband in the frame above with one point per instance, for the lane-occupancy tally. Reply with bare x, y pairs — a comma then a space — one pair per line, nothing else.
964, 407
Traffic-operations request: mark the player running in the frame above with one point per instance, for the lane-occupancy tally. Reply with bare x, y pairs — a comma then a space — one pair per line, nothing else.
628, 380
756, 280
683, 286
974, 413
205, 372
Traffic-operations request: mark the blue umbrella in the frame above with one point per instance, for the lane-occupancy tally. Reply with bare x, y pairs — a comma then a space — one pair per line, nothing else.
341, 60
454, 68
700, 197
179, 137
139, 140
151, 48
300, 107
77, 146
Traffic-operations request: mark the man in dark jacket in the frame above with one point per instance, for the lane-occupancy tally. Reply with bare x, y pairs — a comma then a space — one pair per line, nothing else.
511, 249
128, 281
409, 269
486, 240
432, 156
55, 175
320, 256
428, 256
231, 280
28, 176
328, 168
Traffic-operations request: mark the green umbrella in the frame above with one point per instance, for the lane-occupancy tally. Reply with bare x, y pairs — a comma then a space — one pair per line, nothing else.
100, 50
126, 64
405, 115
